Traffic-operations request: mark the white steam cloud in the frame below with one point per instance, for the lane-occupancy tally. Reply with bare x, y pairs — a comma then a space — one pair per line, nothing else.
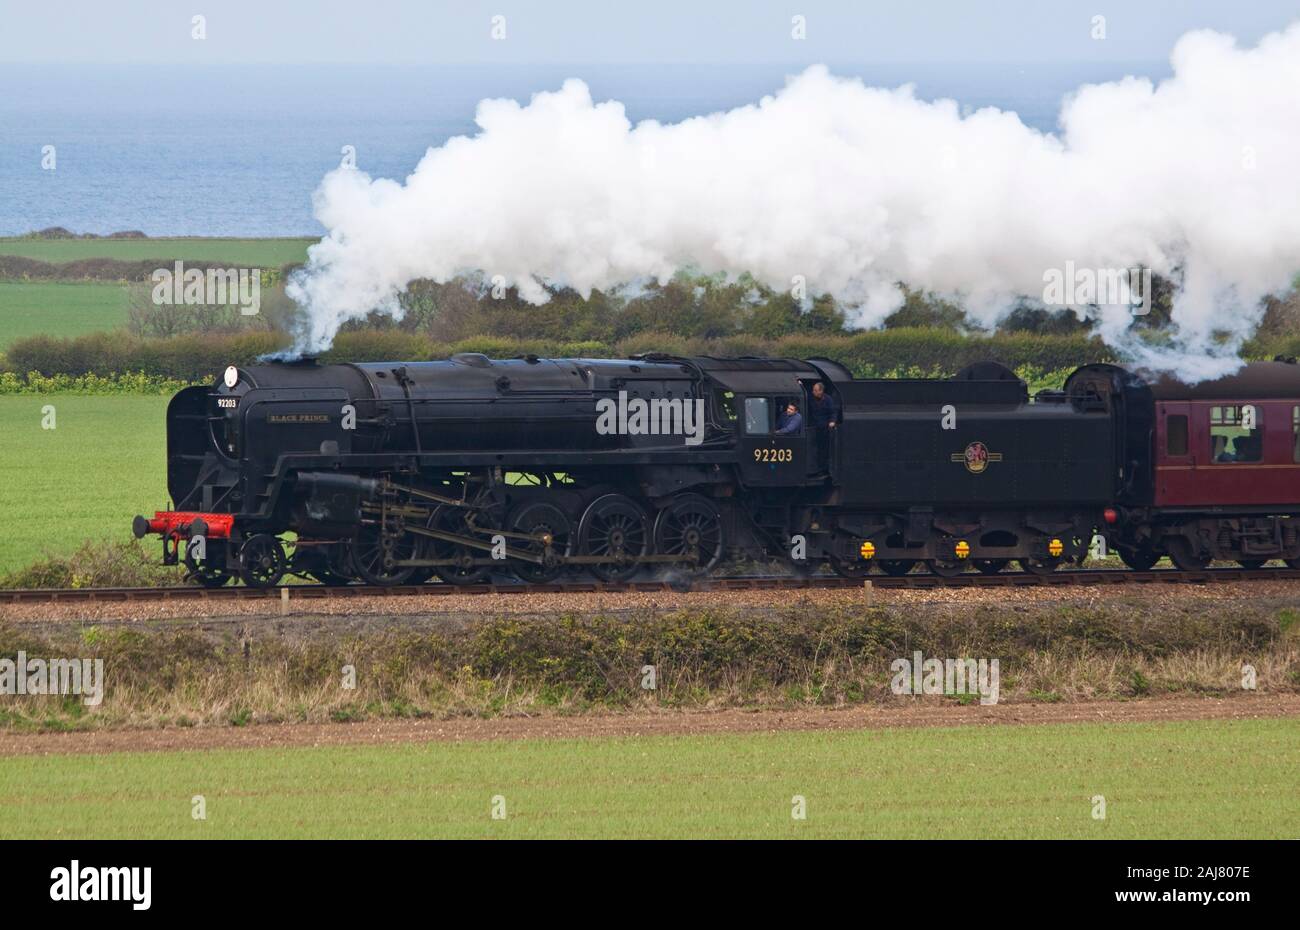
856, 189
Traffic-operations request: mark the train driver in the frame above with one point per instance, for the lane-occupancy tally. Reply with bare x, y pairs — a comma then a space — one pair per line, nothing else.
790, 421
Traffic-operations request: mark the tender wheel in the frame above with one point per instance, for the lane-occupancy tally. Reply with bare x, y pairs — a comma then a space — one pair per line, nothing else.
1252, 564
1140, 559
616, 528
376, 552
896, 568
800, 568
1185, 557
547, 521
691, 527
261, 561
1040, 566
464, 571
206, 572
850, 568
990, 566
945, 568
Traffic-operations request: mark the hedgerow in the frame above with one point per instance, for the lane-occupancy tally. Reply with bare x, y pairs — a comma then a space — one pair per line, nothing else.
115, 363
129, 383
193, 358
187, 672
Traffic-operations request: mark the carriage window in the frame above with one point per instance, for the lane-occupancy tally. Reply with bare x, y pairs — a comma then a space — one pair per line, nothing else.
1230, 439
1176, 435
758, 422
1295, 433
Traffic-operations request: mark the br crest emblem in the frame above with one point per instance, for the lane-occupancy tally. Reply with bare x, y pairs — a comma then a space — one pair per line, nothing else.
977, 457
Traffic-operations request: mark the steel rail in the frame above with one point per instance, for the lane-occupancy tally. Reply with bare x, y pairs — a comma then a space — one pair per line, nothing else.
916, 581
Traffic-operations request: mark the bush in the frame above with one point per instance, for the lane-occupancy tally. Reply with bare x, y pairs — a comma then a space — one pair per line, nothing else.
96, 565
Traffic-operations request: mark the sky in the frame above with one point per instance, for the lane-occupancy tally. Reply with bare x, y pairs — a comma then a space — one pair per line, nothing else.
410, 32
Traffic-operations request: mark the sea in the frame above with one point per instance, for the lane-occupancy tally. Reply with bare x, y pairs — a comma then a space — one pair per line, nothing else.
238, 151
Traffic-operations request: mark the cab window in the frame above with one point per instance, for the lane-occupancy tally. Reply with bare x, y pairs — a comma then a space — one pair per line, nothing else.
1230, 439
758, 416
784, 418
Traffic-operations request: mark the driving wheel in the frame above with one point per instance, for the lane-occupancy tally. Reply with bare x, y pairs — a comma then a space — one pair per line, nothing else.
691, 527
550, 529
616, 528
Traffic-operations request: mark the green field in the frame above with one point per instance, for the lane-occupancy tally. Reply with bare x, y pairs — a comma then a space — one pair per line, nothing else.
261, 253
56, 308
1204, 779
104, 462
74, 308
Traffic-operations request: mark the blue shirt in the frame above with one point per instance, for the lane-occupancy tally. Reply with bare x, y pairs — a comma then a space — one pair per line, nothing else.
791, 424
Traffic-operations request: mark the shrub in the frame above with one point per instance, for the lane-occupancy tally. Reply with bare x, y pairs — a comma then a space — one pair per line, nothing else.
96, 565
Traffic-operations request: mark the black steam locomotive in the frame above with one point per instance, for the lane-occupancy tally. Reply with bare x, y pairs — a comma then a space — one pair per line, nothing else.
392, 473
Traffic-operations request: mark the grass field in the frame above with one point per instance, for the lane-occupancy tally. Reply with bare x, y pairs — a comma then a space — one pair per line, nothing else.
1204, 779
104, 462
261, 253
56, 308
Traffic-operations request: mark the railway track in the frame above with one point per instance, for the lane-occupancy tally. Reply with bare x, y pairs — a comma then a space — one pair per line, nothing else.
1069, 578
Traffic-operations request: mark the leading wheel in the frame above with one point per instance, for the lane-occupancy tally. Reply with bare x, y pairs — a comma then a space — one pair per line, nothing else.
261, 561
205, 571
616, 528
690, 527
1252, 564
550, 531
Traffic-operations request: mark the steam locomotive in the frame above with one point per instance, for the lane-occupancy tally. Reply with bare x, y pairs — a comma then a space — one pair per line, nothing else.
393, 473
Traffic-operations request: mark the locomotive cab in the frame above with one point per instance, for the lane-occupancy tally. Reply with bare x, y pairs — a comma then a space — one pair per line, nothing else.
775, 448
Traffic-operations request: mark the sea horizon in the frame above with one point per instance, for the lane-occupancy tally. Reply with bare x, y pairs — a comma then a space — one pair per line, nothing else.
237, 151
